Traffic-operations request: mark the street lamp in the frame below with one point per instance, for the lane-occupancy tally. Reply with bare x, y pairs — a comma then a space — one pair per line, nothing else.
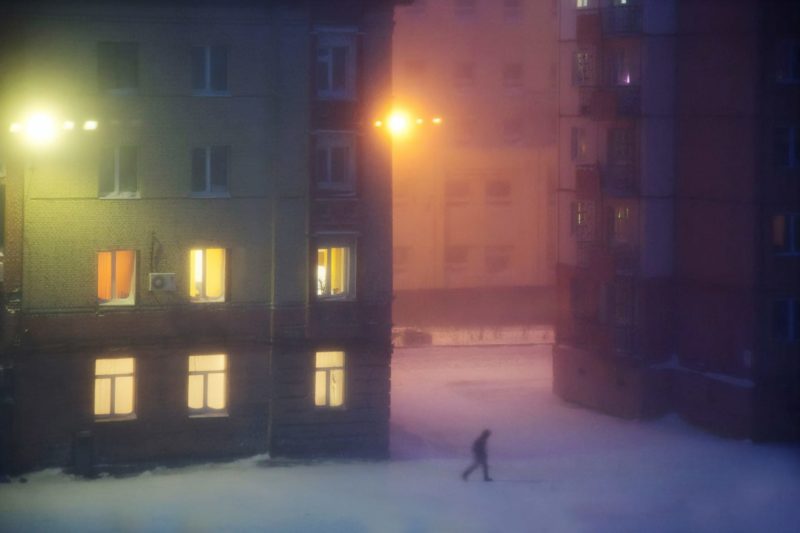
399, 122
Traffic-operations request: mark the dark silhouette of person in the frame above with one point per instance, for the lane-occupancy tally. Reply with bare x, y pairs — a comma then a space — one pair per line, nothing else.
479, 456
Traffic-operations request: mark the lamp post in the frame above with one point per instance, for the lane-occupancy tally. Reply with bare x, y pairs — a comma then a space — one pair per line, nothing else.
24, 139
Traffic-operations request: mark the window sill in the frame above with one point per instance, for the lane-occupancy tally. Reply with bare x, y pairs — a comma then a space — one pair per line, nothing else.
196, 301
121, 196
207, 92
116, 304
210, 195
348, 298
124, 418
220, 414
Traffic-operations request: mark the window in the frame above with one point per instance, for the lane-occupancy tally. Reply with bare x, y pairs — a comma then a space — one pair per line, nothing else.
583, 68
621, 225
455, 257
579, 145
580, 4
114, 388
210, 170
464, 8
207, 275
787, 147
788, 61
335, 160
210, 70
580, 216
619, 67
464, 74
118, 173
513, 130
336, 65
623, 301
512, 75
498, 191
498, 259
334, 272
512, 9
207, 388
118, 66
456, 190
785, 320
329, 379
116, 277
786, 234
620, 146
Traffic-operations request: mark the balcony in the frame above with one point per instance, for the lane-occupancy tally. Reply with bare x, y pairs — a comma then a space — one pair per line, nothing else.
609, 102
621, 179
626, 259
628, 100
588, 26
622, 20
587, 181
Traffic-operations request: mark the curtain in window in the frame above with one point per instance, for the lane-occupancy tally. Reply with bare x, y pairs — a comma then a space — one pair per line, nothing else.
104, 276
215, 273
124, 272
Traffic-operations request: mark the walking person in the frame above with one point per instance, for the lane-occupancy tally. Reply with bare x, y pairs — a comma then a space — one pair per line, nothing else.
480, 456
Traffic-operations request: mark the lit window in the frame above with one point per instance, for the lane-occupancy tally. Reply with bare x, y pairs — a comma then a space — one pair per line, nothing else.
498, 191
207, 384
788, 63
329, 379
207, 275
464, 74
116, 277
785, 320
498, 259
787, 147
334, 272
210, 170
579, 146
512, 75
118, 173
114, 388
335, 160
582, 4
786, 234
210, 69
118, 66
622, 227
336, 65
621, 69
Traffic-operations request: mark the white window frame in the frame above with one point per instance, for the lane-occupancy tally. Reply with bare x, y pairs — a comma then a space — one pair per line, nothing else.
206, 410
327, 40
203, 298
328, 140
117, 194
114, 301
325, 374
208, 191
207, 90
112, 398
327, 243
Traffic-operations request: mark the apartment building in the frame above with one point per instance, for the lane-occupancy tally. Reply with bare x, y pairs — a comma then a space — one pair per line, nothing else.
474, 226
678, 278
198, 265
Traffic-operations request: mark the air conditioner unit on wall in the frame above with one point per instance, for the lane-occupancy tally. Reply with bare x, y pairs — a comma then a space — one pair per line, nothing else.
162, 281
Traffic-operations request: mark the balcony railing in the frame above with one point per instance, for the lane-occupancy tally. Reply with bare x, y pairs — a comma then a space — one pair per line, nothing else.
622, 19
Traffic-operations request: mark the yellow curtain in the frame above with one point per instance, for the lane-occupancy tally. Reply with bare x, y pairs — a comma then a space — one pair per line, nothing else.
104, 276
215, 273
124, 272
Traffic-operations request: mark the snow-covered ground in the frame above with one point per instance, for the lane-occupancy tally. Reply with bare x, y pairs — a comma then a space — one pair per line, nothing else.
556, 468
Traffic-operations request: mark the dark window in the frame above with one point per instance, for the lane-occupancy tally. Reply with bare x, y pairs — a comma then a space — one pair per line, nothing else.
786, 233
118, 66
498, 259
464, 8
336, 66
583, 68
620, 146
118, 172
210, 69
787, 147
210, 169
785, 320
456, 256
788, 61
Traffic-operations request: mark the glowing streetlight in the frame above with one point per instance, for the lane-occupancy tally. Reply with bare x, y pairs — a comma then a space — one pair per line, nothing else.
90, 125
40, 128
399, 123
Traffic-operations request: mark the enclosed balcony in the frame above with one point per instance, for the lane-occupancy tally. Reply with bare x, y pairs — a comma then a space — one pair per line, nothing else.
622, 19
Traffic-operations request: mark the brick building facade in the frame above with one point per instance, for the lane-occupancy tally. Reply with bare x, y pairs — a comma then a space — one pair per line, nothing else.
205, 271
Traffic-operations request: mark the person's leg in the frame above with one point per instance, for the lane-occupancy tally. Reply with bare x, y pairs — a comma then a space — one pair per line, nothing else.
469, 470
485, 466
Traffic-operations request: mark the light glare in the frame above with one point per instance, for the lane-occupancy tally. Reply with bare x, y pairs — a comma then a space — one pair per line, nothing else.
90, 125
15, 128
69, 125
399, 123
40, 128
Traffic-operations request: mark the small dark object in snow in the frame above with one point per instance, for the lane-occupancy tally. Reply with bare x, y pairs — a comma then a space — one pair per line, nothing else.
23, 480
480, 456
